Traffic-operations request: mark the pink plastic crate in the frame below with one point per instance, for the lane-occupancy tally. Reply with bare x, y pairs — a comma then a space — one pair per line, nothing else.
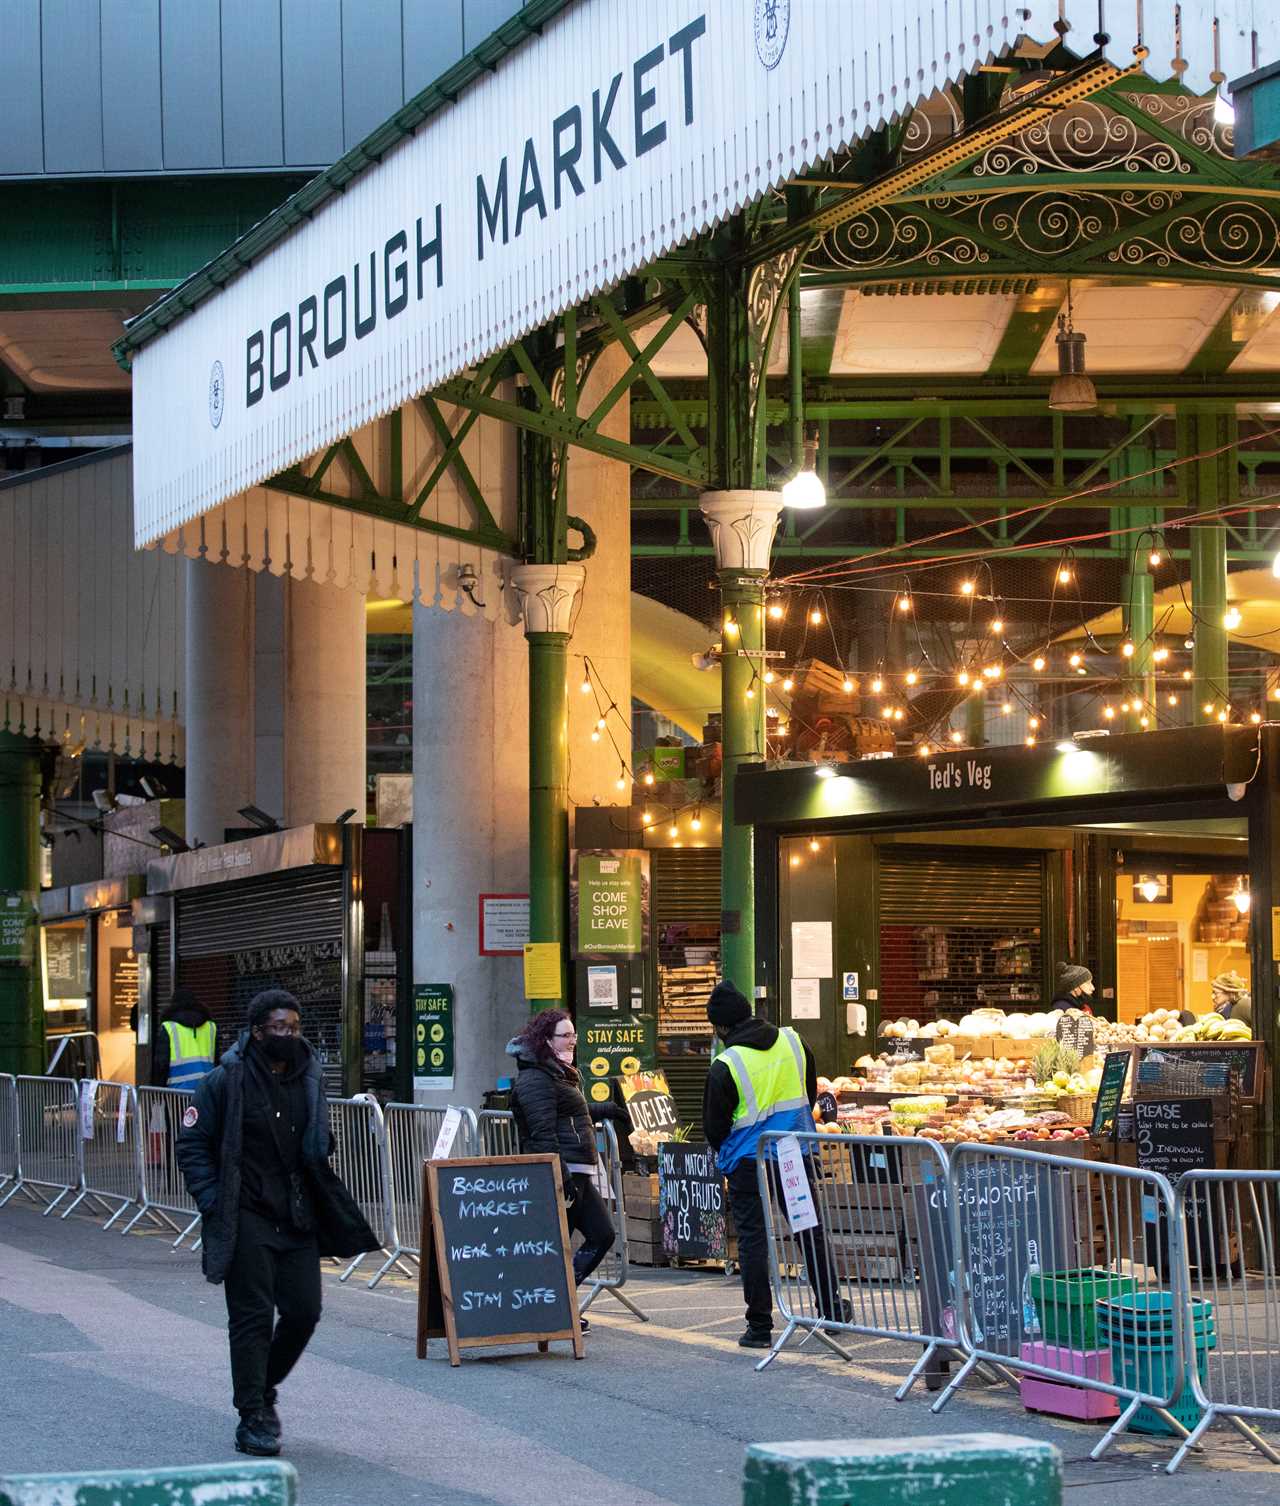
1060, 1398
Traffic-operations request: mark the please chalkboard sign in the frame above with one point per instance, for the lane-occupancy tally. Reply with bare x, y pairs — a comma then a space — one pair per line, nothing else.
691, 1202
1173, 1135
496, 1264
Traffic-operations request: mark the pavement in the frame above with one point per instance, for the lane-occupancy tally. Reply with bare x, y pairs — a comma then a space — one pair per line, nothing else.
113, 1353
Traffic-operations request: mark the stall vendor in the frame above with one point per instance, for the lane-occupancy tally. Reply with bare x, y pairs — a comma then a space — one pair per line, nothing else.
1231, 998
1073, 988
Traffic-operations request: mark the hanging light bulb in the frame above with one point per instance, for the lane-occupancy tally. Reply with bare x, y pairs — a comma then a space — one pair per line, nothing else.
1150, 890
992, 671
813, 844
751, 691
1144, 721
1240, 896
1033, 723
957, 736
1030, 741
805, 489
962, 679
904, 603
585, 687
1155, 559
899, 714
595, 735
673, 830
886, 713
1038, 663
923, 750
620, 783
795, 860
1007, 709
1074, 661
815, 618
1160, 655
1255, 717
730, 627
967, 588
997, 627
645, 818
912, 677
776, 611
1064, 576
695, 823
1231, 618
769, 677
847, 686
600, 724
1124, 706
788, 684
1186, 674
1208, 708
1126, 649
782, 729
1072, 391
1173, 700
1223, 714
648, 776
1109, 712
877, 685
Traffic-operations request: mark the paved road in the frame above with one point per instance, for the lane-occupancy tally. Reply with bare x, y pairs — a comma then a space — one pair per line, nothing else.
113, 1354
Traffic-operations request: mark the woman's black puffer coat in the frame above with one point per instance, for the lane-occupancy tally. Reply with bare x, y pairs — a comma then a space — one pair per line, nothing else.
551, 1113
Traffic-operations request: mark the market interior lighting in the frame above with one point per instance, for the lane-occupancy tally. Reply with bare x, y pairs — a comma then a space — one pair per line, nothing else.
997, 627
1075, 661
776, 611
1173, 699
1007, 709
648, 776
1033, 723
1030, 741
259, 818
826, 771
877, 685
695, 822
847, 686
992, 671
1240, 896
1160, 655
788, 684
645, 818
805, 489
912, 677
585, 687
169, 838
957, 736
904, 603
1126, 648
1150, 890
967, 588
1156, 559
1072, 391
923, 750
1144, 720
769, 677
962, 679
595, 734
1109, 712
730, 628
813, 844
673, 830
1255, 717
620, 783
1064, 576
1186, 674
815, 618
1038, 663
1223, 714
1231, 618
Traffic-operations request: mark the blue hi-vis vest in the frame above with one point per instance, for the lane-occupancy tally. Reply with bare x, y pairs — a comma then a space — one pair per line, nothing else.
190, 1052
771, 1096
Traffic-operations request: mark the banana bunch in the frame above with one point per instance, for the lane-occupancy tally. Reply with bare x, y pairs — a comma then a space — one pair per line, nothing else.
1212, 1027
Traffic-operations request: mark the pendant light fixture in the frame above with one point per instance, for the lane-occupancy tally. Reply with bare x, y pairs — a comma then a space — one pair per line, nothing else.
805, 489
1072, 391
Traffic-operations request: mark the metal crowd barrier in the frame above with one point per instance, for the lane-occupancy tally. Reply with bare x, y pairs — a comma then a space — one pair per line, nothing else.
498, 1133
1232, 1223
360, 1159
412, 1131
1058, 1256
610, 1276
8, 1129
108, 1153
877, 1263
48, 1141
163, 1195
77, 1053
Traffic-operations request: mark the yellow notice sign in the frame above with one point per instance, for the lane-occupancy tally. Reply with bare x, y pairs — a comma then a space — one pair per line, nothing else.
1275, 930
542, 970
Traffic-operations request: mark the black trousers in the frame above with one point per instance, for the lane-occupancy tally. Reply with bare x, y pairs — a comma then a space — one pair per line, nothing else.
753, 1249
588, 1215
275, 1270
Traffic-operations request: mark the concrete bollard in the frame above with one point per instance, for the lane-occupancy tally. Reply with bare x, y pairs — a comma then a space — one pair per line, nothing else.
974, 1469
267, 1483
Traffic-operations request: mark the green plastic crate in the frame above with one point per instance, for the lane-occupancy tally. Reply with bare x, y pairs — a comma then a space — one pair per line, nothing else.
1065, 1303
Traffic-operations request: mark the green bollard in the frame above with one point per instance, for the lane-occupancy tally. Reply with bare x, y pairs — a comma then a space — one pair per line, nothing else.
973, 1469
268, 1483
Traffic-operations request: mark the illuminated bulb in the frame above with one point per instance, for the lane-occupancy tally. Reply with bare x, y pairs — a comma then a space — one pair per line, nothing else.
847, 687
1124, 705
899, 714
696, 823
1033, 722
815, 618
993, 671
1173, 700
904, 603
923, 750
966, 588
782, 729
730, 627
1160, 655
751, 692
595, 736
1232, 618
1109, 712
997, 627
912, 677
645, 818
600, 723
886, 713
877, 685
957, 737
1007, 709
1127, 650
788, 683
648, 778
1275, 693
1149, 890
1241, 898
1030, 742
620, 783
585, 687
813, 844
1074, 661
1157, 559
775, 610
1222, 715
1064, 576
1144, 721
1208, 708
1186, 674
795, 860
673, 830
1038, 663
769, 677
1255, 717
963, 677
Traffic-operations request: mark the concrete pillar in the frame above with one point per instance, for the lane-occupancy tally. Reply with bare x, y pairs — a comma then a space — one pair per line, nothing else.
324, 721
219, 700
470, 828
275, 700
599, 491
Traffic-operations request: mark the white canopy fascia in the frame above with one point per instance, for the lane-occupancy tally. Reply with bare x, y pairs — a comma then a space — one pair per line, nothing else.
622, 132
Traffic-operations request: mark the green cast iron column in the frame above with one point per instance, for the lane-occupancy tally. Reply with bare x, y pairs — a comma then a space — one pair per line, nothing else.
742, 728
548, 793
1211, 484
975, 719
21, 995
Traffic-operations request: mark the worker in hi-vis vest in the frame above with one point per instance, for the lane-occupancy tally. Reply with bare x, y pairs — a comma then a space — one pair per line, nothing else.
763, 1081
186, 1045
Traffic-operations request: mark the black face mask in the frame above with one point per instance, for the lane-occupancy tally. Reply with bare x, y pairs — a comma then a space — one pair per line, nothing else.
289, 1049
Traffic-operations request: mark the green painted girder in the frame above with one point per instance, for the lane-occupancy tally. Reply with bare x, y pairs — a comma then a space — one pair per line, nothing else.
796, 548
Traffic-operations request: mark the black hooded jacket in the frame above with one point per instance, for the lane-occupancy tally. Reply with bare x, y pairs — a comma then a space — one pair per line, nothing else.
551, 1113
210, 1152
720, 1096
185, 1010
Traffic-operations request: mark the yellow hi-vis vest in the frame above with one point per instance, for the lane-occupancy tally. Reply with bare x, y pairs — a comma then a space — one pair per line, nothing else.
771, 1095
190, 1052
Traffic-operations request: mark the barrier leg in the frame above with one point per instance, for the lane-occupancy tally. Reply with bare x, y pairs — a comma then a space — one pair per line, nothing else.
1114, 1431
351, 1268
1191, 1440
396, 1258
79, 1199
914, 1374
956, 1381
777, 1345
16, 1187
621, 1296
1255, 1438
819, 1332
121, 1209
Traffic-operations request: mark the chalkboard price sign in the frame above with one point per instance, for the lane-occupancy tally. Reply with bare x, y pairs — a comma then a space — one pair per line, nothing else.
1110, 1091
496, 1267
1078, 1031
1173, 1135
691, 1202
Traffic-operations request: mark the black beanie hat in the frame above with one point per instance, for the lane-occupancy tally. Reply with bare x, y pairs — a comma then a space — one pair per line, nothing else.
727, 1007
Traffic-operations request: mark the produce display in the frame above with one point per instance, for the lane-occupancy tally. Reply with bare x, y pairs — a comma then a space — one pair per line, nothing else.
1165, 1025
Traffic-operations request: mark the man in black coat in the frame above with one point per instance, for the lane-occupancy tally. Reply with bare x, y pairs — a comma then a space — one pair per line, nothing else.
254, 1150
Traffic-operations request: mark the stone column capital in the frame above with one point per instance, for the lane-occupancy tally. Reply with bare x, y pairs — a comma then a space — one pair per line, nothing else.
547, 595
742, 525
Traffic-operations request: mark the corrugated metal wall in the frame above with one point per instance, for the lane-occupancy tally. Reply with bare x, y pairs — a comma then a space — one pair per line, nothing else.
178, 86
91, 632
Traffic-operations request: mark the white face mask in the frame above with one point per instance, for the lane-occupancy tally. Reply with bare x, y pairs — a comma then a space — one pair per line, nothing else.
564, 1048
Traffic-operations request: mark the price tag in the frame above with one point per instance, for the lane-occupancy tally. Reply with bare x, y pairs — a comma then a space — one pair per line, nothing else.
796, 1192
1150, 1209
449, 1127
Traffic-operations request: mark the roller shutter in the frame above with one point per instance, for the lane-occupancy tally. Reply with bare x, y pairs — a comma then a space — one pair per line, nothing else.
685, 889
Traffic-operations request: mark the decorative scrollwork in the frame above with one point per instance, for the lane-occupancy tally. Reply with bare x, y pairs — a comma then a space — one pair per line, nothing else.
882, 238
768, 280
1231, 236
1191, 118
1087, 138
937, 120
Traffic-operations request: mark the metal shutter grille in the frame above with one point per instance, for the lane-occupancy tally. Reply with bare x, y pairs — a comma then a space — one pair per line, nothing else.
686, 891
947, 888
161, 981
304, 906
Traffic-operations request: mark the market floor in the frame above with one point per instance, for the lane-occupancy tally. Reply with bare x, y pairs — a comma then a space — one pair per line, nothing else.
113, 1352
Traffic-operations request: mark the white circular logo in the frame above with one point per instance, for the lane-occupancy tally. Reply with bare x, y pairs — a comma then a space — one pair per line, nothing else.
773, 22
217, 393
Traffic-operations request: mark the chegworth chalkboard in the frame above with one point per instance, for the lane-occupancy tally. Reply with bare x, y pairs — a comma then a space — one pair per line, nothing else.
496, 1263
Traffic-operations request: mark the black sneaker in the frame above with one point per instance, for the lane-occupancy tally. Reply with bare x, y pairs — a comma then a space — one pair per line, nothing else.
583, 1323
254, 1436
756, 1338
269, 1417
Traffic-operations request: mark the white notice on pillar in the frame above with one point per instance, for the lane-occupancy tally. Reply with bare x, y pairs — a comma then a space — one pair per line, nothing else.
796, 1192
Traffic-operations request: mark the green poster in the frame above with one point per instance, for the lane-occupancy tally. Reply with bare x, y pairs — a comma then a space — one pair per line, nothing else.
610, 902
17, 927
433, 1035
614, 1048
